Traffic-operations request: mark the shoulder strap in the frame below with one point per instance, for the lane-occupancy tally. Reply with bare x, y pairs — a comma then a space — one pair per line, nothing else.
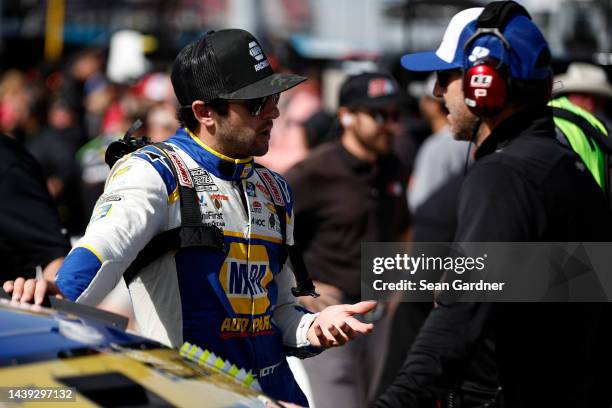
592, 132
191, 233
304, 285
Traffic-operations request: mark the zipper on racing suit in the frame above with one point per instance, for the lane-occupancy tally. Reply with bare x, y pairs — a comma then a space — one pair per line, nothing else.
247, 210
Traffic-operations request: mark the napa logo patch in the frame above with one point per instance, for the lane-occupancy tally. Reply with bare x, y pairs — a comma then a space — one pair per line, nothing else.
245, 327
246, 282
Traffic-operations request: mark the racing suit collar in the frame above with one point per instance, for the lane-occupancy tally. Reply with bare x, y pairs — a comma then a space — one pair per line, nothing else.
530, 121
220, 165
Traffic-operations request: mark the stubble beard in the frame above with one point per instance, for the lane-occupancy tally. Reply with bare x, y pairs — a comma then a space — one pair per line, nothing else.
462, 122
243, 142
380, 145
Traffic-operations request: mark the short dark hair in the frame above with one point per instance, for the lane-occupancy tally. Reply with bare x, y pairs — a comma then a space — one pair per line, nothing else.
186, 118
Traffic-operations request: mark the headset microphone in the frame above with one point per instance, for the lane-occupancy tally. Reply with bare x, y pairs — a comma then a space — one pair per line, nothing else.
475, 130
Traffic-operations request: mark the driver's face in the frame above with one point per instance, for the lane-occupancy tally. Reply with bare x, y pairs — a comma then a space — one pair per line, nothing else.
242, 135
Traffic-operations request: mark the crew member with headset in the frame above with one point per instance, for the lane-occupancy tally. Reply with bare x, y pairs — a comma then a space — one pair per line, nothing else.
493, 69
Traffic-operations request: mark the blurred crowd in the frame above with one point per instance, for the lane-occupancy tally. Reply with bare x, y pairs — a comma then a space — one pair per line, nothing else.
67, 118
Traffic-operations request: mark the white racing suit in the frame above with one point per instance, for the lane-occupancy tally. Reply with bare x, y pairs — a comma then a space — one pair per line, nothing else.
236, 303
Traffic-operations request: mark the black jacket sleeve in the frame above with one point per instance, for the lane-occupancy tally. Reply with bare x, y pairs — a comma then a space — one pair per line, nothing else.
31, 234
438, 356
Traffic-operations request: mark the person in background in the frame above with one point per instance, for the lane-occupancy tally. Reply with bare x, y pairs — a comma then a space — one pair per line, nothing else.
55, 149
439, 164
33, 242
321, 127
150, 100
287, 145
14, 104
586, 86
90, 157
347, 192
99, 95
82, 73
440, 156
160, 122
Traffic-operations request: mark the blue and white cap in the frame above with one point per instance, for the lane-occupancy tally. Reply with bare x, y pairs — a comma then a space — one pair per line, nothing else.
527, 45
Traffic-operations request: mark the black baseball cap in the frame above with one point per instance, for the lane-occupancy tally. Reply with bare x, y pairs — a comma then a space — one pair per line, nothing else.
372, 90
226, 64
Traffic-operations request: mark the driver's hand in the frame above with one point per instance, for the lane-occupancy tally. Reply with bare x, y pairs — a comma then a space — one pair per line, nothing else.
31, 290
336, 325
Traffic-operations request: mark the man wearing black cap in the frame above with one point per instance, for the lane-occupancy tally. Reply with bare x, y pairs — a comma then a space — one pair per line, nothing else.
234, 296
493, 72
348, 192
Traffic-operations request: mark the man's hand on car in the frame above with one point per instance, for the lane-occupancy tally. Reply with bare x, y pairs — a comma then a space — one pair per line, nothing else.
336, 325
31, 290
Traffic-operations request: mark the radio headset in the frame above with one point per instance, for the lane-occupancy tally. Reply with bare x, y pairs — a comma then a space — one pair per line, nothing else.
487, 85
486, 81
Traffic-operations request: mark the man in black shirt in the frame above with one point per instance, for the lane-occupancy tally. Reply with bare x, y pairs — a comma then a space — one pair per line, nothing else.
346, 193
524, 186
31, 236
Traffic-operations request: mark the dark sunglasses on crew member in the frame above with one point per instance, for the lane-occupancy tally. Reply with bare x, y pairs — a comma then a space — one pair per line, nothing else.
444, 77
383, 116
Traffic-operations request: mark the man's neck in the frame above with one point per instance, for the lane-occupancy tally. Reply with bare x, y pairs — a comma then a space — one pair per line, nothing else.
212, 142
357, 149
489, 124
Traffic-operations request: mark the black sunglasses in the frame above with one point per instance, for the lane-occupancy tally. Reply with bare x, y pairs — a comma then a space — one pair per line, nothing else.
386, 116
256, 105
383, 116
444, 77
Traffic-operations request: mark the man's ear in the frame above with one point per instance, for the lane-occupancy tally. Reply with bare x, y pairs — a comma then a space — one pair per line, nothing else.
203, 113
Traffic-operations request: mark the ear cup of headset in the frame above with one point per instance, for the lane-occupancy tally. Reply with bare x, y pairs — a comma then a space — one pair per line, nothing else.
346, 120
485, 88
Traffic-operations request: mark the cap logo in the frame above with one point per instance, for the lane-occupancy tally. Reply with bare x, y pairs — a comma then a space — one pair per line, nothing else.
255, 52
478, 53
380, 87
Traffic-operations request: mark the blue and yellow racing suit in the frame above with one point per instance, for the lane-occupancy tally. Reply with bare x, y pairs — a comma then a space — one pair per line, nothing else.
237, 302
